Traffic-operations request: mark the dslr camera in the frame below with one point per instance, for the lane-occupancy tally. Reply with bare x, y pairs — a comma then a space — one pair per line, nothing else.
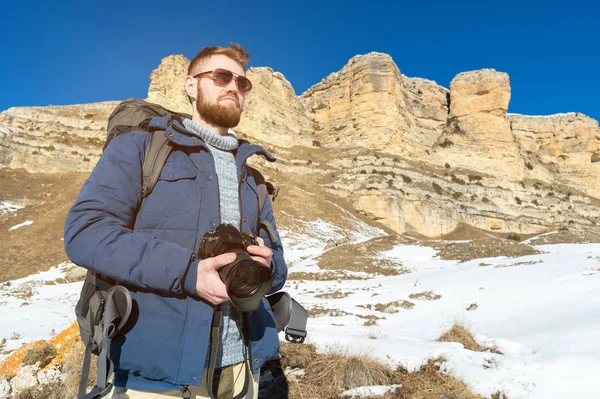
246, 280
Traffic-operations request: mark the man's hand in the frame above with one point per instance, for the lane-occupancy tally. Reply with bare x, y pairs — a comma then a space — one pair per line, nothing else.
260, 252
209, 285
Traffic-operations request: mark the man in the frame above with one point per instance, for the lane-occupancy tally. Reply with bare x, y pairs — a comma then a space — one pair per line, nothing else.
151, 246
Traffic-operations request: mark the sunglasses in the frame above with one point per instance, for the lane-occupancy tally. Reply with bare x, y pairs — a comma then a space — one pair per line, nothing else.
222, 77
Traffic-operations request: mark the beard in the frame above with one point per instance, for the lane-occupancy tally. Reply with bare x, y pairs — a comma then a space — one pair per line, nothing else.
227, 115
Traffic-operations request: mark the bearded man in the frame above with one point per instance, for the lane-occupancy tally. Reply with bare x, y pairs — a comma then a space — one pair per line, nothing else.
152, 245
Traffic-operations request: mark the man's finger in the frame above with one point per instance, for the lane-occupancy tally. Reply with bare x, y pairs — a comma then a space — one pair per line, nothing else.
261, 251
221, 260
261, 242
261, 260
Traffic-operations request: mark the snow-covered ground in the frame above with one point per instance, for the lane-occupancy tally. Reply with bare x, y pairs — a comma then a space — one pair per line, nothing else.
36, 307
7, 207
542, 311
18, 226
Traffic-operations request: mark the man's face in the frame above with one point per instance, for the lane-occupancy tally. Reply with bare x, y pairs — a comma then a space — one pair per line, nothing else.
220, 106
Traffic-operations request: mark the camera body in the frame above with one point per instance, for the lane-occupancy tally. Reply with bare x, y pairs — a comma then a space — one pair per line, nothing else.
246, 280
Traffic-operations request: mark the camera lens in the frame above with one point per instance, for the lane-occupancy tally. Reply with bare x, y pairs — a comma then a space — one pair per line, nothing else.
246, 282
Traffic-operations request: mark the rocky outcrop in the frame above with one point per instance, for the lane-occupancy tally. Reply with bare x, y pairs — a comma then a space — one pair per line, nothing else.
27, 372
369, 103
54, 138
408, 196
477, 134
167, 84
403, 151
568, 145
272, 114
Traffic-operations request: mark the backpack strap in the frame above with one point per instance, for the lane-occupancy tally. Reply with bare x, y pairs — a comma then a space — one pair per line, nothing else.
263, 188
159, 149
115, 310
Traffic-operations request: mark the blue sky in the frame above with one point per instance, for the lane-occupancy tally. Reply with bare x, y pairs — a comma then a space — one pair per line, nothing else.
82, 52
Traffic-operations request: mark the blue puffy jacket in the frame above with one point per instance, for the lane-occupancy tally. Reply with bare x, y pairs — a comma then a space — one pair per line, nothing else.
153, 252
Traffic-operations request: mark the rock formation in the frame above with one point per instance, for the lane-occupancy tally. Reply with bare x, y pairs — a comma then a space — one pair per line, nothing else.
477, 134
369, 103
54, 138
567, 145
405, 152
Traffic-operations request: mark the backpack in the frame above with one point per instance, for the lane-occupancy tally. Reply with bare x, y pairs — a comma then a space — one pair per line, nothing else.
104, 307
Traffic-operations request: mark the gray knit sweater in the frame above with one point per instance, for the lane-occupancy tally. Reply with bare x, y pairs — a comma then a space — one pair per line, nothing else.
231, 347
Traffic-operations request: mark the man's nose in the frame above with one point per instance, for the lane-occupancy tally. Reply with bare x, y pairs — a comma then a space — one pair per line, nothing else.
232, 86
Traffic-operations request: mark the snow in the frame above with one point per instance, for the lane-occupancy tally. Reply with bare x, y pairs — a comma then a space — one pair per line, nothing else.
25, 223
541, 311
36, 307
7, 207
546, 116
364, 392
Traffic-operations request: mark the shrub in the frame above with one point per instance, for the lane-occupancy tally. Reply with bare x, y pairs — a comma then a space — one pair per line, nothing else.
513, 237
406, 179
438, 188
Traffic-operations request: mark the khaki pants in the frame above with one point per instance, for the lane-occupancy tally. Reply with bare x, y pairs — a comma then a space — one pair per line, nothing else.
231, 383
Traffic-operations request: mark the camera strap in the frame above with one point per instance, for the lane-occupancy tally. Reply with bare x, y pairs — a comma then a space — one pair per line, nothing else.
269, 229
215, 338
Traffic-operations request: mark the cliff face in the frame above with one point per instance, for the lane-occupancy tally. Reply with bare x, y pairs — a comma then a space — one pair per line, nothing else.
402, 151
567, 145
477, 135
369, 103
53, 139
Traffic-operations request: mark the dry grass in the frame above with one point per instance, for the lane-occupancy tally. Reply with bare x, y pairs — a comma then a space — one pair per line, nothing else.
42, 355
56, 390
472, 306
334, 295
327, 276
429, 382
338, 371
66, 389
318, 311
327, 375
460, 334
365, 257
425, 295
72, 369
33, 248
481, 248
392, 307
324, 376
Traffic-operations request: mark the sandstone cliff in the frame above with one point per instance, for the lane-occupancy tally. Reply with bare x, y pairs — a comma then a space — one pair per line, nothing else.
403, 152
55, 138
369, 103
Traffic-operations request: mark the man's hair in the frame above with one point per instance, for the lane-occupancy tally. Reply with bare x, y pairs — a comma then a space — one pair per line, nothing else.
235, 51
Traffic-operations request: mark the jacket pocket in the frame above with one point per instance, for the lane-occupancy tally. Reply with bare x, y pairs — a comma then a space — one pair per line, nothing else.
176, 190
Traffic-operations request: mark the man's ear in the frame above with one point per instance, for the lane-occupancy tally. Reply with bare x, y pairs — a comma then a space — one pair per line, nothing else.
190, 88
